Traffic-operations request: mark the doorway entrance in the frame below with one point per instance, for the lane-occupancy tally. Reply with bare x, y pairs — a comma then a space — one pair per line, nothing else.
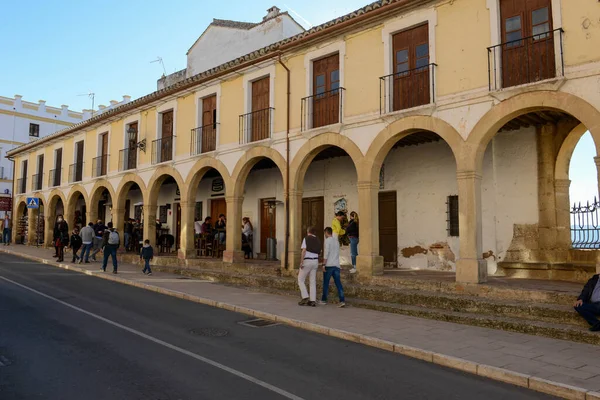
313, 214
388, 227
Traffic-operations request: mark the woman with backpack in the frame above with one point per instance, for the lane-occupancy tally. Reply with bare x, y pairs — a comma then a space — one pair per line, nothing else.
61, 237
110, 243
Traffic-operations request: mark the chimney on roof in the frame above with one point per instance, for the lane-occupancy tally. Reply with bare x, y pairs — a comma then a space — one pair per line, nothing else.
64, 110
113, 103
126, 98
271, 13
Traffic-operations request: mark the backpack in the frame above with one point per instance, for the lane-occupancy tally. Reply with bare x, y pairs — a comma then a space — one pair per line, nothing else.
113, 238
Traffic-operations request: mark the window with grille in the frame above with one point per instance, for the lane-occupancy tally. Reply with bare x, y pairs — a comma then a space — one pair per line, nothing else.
34, 130
452, 215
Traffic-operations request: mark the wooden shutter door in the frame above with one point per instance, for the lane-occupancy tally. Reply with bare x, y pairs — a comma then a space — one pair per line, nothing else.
166, 144
261, 114
268, 223
313, 214
209, 124
326, 99
132, 147
388, 227
79, 161
58, 167
104, 159
411, 84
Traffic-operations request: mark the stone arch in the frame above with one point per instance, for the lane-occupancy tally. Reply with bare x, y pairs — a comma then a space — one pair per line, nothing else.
124, 185
53, 198
197, 173
72, 199
97, 190
401, 128
313, 147
487, 127
247, 161
563, 159
158, 178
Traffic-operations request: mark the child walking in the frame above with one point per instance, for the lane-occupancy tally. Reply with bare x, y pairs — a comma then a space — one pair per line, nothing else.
75, 244
147, 254
331, 257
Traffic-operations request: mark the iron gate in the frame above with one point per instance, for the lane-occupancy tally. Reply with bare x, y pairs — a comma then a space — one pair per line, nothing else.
585, 225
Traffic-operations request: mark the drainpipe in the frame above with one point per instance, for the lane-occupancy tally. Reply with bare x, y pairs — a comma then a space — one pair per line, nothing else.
287, 171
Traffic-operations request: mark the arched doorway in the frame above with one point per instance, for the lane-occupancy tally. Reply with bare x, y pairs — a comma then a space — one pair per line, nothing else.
21, 224
162, 215
77, 208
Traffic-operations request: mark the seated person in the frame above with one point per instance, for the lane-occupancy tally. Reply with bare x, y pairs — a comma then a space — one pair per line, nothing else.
588, 303
206, 226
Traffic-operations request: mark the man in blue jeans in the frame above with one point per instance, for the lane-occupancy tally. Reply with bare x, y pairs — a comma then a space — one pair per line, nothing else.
331, 257
110, 243
6, 229
87, 239
588, 303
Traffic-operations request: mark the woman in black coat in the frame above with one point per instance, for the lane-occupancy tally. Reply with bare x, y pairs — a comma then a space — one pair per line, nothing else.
61, 237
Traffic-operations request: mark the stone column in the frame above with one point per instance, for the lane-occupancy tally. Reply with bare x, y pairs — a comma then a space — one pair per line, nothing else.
233, 249
368, 261
546, 194
31, 226
48, 229
470, 268
91, 215
118, 220
150, 224
563, 214
187, 248
296, 233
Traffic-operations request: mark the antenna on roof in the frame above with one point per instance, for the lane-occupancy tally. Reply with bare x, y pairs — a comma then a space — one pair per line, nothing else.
160, 60
92, 97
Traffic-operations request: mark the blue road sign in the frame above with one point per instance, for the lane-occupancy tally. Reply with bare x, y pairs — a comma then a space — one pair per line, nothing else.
33, 202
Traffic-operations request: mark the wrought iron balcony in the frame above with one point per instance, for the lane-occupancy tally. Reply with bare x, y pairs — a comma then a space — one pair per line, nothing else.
162, 150
256, 125
585, 225
127, 159
322, 109
76, 172
526, 60
407, 89
99, 166
21, 185
55, 177
204, 139
36, 181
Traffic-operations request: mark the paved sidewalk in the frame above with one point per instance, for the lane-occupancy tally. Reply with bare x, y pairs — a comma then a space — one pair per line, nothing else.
562, 368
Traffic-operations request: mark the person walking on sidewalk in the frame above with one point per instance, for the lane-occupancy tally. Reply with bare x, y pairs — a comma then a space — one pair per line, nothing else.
6, 230
75, 244
588, 303
99, 230
87, 240
61, 237
331, 263
147, 254
352, 232
311, 247
110, 243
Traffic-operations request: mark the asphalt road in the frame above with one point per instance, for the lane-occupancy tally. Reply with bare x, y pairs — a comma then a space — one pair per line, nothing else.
65, 335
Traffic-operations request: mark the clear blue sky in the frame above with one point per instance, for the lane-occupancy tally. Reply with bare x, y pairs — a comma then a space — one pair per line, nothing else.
59, 49
582, 172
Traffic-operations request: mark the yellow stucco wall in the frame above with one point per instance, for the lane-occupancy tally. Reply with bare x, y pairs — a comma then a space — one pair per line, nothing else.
186, 119
462, 38
147, 131
363, 66
280, 99
298, 88
581, 22
68, 157
90, 149
115, 145
231, 106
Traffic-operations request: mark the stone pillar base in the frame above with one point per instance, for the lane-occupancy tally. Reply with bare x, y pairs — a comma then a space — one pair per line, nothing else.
232, 257
293, 260
471, 271
369, 265
186, 254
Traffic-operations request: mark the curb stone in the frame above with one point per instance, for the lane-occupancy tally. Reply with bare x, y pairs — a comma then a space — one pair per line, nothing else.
483, 370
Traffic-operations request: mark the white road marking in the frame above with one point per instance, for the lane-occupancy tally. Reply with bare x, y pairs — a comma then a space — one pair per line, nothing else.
163, 343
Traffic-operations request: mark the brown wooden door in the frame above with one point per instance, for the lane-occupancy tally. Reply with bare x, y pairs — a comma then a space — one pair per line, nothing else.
40, 171
24, 177
411, 68
104, 154
261, 115
132, 147
388, 227
313, 214
209, 124
57, 167
166, 145
217, 207
530, 59
178, 226
268, 223
79, 161
326, 83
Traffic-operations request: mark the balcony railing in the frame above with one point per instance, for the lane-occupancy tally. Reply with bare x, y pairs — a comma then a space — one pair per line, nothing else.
204, 139
127, 159
55, 177
99, 166
76, 172
585, 225
21, 185
526, 60
322, 109
256, 125
36, 181
162, 150
407, 89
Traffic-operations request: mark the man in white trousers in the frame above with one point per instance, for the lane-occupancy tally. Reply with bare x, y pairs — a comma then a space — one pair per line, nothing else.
311, 248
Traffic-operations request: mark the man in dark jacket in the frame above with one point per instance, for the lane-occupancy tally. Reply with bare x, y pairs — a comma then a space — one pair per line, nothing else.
110, 243
588, 303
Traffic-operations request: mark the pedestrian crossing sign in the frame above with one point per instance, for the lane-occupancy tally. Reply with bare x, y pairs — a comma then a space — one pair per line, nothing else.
33, 202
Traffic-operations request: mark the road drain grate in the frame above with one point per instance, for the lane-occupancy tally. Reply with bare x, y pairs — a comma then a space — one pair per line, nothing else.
209, 332
258, 323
